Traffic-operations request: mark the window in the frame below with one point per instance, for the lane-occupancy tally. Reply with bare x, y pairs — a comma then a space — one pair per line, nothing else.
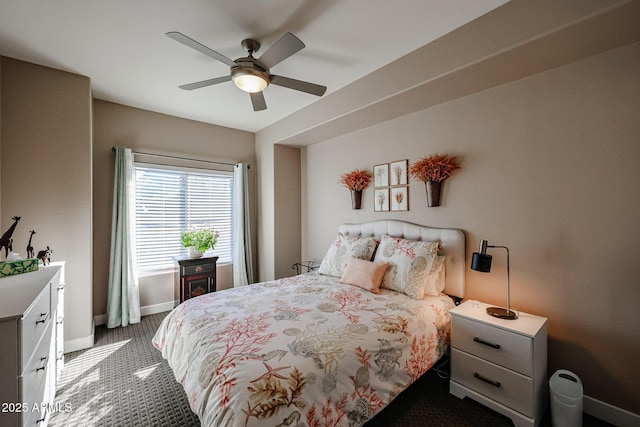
171, 199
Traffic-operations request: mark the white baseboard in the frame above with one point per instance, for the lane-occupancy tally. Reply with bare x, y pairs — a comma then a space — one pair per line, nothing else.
609, 413
101, 319
157, 308
79, 343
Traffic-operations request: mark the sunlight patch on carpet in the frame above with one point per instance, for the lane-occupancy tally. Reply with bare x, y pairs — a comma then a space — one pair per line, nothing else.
89, 360
145, 372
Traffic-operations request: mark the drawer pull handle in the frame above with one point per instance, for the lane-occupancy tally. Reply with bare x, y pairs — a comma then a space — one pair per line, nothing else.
478, 340
44, 365
486, 380
43, 318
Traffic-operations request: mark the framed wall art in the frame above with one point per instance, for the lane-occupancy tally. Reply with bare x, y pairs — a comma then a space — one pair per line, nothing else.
381, 200
381, 175
399, 198
391, 182
398, 172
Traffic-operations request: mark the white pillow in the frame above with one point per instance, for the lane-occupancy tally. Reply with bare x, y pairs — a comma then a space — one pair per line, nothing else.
410, 265
342, 249
436, 278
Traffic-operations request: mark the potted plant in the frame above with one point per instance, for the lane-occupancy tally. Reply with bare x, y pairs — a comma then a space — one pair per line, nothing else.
356, 181
433, 170
198, 240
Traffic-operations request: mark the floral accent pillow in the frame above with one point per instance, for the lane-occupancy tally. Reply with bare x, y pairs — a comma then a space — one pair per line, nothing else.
342, 249
410, 265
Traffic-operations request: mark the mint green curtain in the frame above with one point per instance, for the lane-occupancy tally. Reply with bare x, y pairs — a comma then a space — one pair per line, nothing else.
242, 264
123, 301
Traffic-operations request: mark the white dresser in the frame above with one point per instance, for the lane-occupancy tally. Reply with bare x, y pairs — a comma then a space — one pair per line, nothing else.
500, 363
31, 356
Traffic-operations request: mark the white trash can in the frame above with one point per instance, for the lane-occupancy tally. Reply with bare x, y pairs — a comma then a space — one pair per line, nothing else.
566, 399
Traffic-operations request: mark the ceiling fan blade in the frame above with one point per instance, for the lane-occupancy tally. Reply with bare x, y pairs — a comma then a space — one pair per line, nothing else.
187, 41
257, 99
300, 85
203, 83
286, 46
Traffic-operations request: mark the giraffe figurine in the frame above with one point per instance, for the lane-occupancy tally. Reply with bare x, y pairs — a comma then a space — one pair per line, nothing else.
6, 241
29, 247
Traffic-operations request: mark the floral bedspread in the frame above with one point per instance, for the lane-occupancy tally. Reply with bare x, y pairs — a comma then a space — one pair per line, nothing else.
300, 351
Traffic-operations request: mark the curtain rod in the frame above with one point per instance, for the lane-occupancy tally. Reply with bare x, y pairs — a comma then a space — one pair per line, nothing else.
113, 149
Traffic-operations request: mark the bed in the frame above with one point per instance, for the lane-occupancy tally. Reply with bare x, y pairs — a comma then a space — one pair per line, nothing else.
326, 347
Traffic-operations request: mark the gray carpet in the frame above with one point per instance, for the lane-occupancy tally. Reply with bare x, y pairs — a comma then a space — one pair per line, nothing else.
123, 381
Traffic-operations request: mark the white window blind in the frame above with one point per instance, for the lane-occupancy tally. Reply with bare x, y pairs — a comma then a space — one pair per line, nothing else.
171, 199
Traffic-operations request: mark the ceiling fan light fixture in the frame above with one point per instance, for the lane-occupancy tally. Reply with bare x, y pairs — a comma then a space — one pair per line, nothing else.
250, 79
250, 74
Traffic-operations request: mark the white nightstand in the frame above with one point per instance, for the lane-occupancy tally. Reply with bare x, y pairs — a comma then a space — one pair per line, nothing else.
500, 363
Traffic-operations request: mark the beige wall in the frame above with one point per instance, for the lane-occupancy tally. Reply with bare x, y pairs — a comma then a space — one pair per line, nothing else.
266, 211
46, 177
279, 210
145, 131
550, 169
287, 209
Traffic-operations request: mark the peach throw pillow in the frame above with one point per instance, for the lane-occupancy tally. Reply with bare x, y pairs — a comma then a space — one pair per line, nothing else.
364, 274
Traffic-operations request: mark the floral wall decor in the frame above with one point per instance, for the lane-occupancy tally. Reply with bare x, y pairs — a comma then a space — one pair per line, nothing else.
433, 170
356, 181
391, 186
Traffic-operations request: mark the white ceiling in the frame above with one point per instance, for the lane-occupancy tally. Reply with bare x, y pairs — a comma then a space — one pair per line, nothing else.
121, 45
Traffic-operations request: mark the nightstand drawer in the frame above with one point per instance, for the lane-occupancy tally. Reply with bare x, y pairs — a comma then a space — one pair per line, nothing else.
504, 386
197, 269
502, 347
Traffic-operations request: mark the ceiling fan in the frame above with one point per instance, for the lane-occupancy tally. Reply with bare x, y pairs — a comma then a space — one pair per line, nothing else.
252, 74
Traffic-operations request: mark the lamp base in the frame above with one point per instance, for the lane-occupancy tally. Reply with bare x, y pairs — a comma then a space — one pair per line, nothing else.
502, 313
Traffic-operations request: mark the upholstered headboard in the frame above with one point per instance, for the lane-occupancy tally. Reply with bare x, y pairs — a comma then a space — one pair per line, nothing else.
453, 245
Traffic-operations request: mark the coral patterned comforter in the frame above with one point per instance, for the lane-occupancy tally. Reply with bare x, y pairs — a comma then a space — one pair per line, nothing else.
300, 351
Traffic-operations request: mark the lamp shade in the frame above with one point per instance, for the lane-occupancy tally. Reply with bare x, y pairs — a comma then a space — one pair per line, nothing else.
481, 262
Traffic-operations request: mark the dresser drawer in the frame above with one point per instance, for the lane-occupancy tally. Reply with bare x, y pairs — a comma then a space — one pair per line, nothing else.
35, 419
33, 324
505, 348
57, 289
502, 385
197, 269
32, 380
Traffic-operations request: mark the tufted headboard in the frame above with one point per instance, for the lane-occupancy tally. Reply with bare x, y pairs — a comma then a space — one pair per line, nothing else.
453, 245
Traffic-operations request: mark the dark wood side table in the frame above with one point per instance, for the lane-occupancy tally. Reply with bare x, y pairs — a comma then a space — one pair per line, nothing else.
196, 276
